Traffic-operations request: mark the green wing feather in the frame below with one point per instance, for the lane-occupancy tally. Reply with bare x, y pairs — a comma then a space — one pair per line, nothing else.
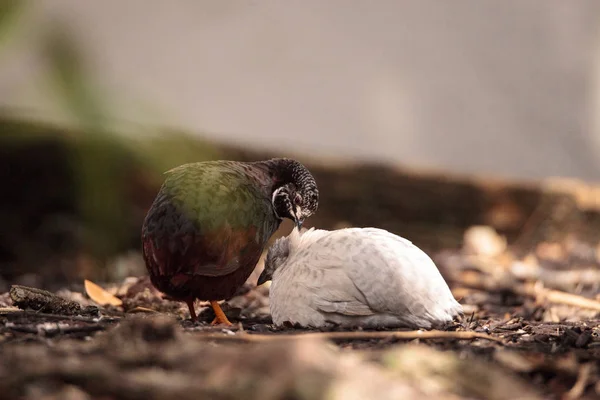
216, 193
215, 215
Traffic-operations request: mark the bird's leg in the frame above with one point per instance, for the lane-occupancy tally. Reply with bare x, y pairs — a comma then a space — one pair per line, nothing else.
190, 304
220, 317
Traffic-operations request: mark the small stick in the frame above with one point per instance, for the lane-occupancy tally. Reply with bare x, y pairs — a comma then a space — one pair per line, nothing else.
402, 335
9, 312
535, 291
558, 297
562, 280
582, 380
57, 331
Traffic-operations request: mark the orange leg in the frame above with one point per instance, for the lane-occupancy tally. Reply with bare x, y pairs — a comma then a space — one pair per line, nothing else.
220, 317
190, 304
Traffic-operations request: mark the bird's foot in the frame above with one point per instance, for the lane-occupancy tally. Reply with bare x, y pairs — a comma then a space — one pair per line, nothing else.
220, 317
190, 304
216, 321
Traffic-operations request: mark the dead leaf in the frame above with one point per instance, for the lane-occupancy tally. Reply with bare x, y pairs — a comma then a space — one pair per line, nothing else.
551, 251
483, 241
141, 309
101, 296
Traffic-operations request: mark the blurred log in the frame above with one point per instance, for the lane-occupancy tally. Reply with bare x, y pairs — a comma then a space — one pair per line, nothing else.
150, 358
44, 224
434, 209
359, 335
44, 301
445, 372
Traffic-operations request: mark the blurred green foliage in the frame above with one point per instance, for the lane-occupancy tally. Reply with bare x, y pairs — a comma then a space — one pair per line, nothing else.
115, 176
70, 81
160, 153
108, 166
10, 13
112, 176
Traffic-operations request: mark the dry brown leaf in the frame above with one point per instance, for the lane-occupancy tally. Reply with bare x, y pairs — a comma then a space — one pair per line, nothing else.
140, 309
461, 292
483, 241
100, 296
551, 251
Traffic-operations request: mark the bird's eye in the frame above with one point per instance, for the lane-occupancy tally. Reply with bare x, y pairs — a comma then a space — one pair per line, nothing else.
297, 199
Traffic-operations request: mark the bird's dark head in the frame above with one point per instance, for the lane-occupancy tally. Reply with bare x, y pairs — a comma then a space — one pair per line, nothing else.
296, 195
276, 256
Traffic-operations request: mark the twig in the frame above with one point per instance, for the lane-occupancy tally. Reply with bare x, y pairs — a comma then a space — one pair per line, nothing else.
558, 297
360, 335
582, 380
554, 215
562, 280
35, 314
532, 223
58, 330
531, 290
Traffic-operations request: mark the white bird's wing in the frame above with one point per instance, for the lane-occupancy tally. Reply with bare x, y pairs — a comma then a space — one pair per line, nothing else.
355, 273
394, 276
338, 294
319, 268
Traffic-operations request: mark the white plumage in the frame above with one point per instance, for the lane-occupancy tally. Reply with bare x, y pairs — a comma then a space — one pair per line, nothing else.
355, 277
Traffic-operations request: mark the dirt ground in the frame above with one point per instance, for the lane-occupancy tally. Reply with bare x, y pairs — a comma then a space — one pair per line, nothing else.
531, 330
531, 327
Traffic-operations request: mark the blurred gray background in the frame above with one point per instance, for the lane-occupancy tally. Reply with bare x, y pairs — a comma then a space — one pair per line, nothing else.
509, 88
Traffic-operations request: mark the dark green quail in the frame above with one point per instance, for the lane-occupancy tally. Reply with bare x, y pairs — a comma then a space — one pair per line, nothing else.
211, 221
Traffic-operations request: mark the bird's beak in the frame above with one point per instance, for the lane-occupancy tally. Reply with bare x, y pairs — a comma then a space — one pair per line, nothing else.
298, 218
262, 278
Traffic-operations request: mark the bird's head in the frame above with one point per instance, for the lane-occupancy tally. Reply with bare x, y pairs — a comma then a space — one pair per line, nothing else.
297, 197
276, 256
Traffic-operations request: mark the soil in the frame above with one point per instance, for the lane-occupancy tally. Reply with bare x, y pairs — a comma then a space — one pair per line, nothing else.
516, 340
531, 294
